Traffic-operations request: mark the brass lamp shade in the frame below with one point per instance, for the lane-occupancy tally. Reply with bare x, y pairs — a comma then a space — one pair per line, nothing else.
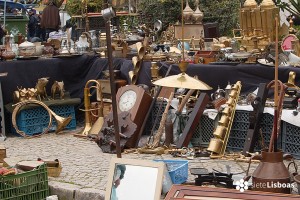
182, 81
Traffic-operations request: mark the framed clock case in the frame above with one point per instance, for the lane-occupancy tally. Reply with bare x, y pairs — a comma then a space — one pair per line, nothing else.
136, 101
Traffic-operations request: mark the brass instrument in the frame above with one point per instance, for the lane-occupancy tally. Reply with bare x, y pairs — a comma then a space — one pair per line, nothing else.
60, 121
218, 144
88, 111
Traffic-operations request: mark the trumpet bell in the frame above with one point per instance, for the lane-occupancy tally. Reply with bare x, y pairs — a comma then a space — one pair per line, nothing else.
62, 123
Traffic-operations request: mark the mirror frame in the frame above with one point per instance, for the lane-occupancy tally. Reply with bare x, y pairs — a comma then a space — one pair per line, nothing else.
144, 163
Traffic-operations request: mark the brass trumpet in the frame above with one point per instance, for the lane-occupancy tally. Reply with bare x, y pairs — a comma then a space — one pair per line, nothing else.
88, 111
61, 122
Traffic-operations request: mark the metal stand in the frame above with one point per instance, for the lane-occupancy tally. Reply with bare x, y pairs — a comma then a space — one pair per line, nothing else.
2, 134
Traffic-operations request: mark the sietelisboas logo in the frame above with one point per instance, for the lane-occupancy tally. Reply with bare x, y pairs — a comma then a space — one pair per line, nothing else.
241, 185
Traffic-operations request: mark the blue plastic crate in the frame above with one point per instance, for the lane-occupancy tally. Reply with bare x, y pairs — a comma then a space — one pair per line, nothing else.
35, 120
178, 170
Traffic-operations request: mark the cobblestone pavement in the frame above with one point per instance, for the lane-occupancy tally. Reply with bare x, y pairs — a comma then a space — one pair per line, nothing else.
85, 166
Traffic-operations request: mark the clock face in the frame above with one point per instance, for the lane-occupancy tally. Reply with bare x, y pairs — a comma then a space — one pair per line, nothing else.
127, 100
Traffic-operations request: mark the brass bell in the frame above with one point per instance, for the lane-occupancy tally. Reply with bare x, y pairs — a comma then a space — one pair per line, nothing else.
230, 102
236, 87
224, 120
215, 145
233, 94
227, 111
220, 132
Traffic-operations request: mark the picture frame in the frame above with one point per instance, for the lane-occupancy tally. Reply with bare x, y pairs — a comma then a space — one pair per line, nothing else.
139, 179
189, 192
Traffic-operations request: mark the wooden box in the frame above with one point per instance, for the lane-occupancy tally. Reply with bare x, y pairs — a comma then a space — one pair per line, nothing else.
2, 153
205, 57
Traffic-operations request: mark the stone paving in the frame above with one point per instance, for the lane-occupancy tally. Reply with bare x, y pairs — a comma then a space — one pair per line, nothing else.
85, 166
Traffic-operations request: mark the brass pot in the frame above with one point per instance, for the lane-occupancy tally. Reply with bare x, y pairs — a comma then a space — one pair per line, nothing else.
215, 145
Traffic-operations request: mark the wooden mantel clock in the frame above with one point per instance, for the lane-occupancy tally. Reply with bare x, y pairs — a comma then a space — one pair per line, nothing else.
136, 101
133, 104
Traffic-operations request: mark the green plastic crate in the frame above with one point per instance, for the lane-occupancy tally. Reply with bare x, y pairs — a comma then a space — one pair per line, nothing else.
31, 185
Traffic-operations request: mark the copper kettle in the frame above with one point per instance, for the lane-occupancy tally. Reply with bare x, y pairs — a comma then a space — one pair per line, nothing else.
271, 175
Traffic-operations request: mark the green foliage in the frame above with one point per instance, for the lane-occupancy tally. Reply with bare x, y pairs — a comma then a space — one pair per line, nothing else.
77, 7
168, 11
225, 12
293, 6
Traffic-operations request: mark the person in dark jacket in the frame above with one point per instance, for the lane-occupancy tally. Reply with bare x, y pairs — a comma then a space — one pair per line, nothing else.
31, 24
39, 31
51, 19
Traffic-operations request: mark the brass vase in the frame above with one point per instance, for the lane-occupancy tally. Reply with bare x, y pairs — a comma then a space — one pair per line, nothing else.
197, 15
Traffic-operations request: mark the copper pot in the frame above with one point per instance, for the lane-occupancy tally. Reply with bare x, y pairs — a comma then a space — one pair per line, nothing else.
8, 55
270, 173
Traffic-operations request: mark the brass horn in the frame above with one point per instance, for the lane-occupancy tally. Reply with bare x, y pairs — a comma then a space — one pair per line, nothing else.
61, 122
87, 108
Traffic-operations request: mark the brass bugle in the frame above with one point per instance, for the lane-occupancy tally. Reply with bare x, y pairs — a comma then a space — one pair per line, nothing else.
215, 145
87, 106
220, 132
61, 122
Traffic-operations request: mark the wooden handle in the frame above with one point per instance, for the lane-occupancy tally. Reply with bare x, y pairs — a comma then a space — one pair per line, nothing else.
184, 100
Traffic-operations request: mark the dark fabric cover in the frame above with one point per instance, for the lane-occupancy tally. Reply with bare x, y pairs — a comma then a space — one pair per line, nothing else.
76, 71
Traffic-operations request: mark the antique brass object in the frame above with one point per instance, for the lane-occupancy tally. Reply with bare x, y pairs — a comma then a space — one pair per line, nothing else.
58, 88
87, 108
256, 26
220, 132
182, 80
61, 122
218, 144
215, 145
227, 111
154, 70
233, 94
141, 50
224, 120
230, 102
291, 80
